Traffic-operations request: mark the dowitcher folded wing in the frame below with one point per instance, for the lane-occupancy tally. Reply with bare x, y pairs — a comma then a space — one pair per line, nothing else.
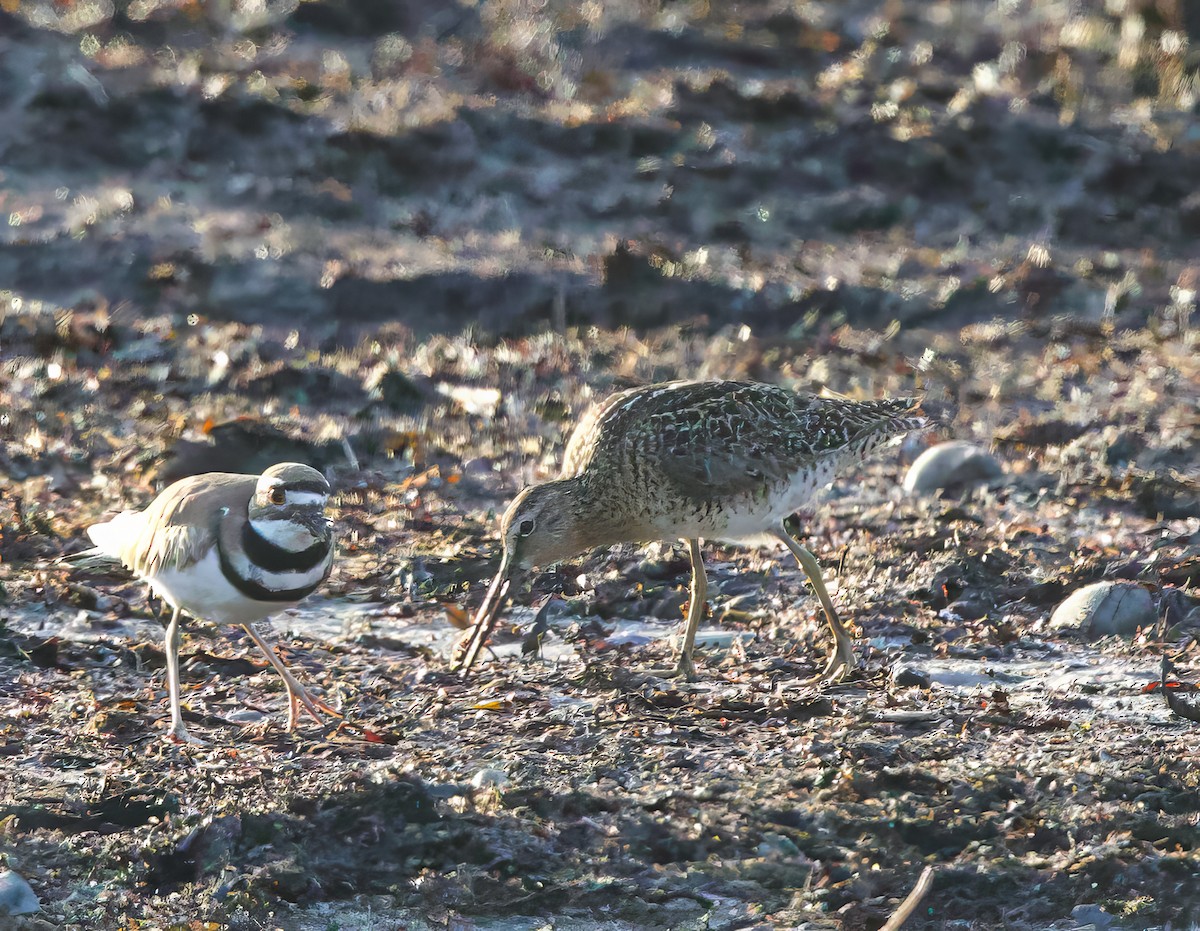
733, 439
730, 440
622, 414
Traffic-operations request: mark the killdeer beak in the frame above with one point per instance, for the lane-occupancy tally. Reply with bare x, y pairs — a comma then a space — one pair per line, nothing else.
317, 524
466, 651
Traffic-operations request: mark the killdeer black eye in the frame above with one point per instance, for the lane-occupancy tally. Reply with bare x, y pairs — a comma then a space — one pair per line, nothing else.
526, 528
277, 495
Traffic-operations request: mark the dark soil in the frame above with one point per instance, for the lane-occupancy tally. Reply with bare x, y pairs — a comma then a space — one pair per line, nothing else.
410, 243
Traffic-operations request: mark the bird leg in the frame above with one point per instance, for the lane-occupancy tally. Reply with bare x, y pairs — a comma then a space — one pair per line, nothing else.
686, 669
177, 731
841, 658
297, 694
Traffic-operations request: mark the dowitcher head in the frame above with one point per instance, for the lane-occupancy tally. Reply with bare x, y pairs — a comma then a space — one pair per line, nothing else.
544, 524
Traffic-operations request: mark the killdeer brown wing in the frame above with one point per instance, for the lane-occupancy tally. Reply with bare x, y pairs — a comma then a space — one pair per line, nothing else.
178, 528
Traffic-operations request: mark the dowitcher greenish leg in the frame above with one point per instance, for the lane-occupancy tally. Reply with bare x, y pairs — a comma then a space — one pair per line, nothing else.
686, 669
297, 694
841, 658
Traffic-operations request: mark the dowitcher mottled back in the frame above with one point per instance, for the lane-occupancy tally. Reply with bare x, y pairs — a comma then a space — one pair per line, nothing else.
722, 460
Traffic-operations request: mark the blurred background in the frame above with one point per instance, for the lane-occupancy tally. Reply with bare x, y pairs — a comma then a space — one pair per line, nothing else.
514, 166
410, 242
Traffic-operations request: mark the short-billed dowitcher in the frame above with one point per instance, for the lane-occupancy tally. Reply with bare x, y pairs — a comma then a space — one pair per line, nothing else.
717, 460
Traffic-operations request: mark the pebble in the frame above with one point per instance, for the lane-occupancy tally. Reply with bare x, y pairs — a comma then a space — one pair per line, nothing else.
16, 895
713, 640
953, 465
969, 608
1106, 608
489, 779
1092, 916
776, 845
906, 674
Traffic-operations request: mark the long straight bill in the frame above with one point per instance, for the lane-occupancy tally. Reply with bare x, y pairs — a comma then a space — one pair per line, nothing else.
467, 651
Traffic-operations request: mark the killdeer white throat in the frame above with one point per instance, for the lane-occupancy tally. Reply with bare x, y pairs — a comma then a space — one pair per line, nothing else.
232, 549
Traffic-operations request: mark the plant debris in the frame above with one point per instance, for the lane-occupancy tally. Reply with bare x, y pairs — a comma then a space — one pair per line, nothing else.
412, 243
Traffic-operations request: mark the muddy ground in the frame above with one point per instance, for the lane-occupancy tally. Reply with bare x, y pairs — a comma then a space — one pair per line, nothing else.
410, 242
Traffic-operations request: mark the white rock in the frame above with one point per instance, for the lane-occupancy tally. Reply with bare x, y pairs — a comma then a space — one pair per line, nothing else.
17, 896
949, 465
489, 779
1105, 608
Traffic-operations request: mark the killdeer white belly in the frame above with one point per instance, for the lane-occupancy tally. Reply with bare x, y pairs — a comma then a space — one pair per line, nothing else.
232, 549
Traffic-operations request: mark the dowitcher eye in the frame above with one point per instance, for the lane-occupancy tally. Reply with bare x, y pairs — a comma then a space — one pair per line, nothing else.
277, 495
526, 528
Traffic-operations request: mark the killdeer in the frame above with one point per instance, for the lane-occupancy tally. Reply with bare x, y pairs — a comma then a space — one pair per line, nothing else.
232, 549
722, 460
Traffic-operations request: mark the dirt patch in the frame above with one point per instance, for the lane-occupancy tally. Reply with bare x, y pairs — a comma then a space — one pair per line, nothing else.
410, 245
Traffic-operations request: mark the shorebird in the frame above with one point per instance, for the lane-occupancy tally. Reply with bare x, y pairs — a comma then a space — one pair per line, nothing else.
232, 549
691, 460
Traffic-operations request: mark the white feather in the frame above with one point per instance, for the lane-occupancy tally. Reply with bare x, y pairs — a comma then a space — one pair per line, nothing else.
112, 536
307, 497
285, 534
203, 591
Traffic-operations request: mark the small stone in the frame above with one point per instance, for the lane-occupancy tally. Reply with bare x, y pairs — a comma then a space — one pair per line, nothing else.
489, 779
906, 674
968, 608
480, 465
395, 389
1106, 608
1092, 916
951, 466
16, 895
712, 640
777, 845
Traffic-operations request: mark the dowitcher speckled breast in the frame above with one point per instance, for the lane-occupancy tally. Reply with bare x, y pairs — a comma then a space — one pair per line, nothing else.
716, 460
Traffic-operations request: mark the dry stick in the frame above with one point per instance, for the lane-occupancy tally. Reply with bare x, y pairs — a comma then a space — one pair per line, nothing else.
909, 905
349, 451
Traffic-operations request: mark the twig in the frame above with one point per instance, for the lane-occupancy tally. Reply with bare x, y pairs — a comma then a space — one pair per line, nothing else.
349, 451
909, 905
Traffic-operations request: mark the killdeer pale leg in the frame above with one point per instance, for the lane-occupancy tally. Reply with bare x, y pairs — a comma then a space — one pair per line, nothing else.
232, 549
176, 731
297, 694
718, 460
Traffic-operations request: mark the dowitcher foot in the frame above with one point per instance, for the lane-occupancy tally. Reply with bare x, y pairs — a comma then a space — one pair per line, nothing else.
841, 658
684, 669
841, 663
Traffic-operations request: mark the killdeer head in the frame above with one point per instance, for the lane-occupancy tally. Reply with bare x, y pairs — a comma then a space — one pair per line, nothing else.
232, 549
279, 545
288, 507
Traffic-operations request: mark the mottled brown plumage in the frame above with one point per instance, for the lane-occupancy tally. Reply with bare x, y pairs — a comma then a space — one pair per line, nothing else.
691, 460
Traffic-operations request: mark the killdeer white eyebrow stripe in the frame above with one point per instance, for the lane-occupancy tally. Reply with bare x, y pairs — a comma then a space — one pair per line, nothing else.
306, 497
